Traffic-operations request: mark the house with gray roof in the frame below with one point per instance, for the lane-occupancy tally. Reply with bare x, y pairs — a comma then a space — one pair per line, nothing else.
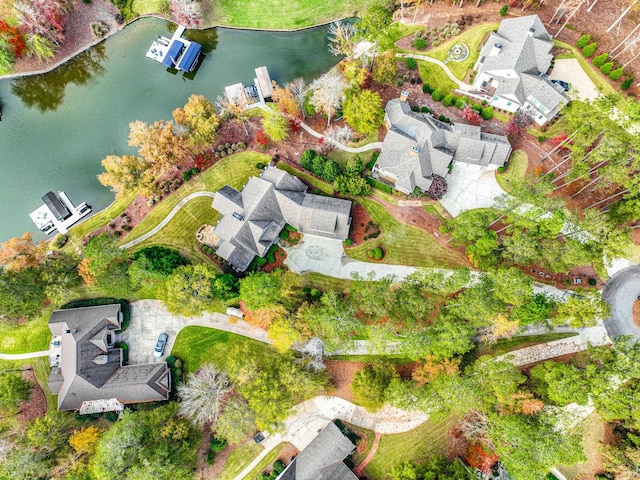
511, 70
323, 459
419, 148
91, 376
253, 218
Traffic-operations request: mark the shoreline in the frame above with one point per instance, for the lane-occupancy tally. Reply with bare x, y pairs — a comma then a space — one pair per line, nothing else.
50, 68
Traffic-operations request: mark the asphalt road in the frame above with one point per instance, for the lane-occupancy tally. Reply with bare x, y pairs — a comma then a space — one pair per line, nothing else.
621, 291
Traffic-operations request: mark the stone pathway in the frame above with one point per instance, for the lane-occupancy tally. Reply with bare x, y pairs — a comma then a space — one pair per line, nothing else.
167, 219
461, 85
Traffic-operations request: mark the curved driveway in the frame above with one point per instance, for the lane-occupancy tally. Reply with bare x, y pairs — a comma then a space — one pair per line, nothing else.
621, 291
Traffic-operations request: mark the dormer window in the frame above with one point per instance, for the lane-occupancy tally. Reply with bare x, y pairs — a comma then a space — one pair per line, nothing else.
237, 216
415, 149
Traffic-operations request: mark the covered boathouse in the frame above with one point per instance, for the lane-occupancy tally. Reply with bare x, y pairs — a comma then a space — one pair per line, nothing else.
175, 52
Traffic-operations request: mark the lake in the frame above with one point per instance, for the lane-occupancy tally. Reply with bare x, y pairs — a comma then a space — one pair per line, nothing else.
57, 127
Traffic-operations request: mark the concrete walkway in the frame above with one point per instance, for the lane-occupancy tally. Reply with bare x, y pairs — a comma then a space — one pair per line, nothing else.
23, 356
167, 219
307, 418
470, 187
461, 84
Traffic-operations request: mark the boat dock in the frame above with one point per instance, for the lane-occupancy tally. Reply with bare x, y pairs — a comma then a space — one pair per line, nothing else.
58, 213
175, 52
254, 95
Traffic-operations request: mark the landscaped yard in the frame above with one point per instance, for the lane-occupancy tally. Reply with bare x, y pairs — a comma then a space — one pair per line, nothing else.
308, 178
404, 244
282, 14
180, 232
198, 345
435, 76
142, 7
417, 446
265, 462
516, 170
241, 456
31, 336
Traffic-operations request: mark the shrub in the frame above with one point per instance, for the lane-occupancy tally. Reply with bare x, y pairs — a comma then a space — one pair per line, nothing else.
415, 108
441, 117
420, 43
448, 100
503, 10
223, 154
589, 49
426, 88
278, 467
616, 74
227, 145
600, 59
425, 110
461, 102
259, 165
541, 138
348, 242
99, 29
411, 63
486, 113
583, 41
241, 145
379, 185
626, 84
60, 240
606, 68
592, 282
437, 95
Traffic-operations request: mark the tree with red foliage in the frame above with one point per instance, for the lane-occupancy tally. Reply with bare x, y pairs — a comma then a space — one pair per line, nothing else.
558, 139
518, 124
471, 116
478, 457
261, 138
42, 17
203, 160
12, 35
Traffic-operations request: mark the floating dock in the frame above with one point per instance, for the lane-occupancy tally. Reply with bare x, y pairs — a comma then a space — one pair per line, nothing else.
58, 213
175, 52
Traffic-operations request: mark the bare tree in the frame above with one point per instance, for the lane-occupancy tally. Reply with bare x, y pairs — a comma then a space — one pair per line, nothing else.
624, 41
570, 16
298, 88
328, 92
341, 38
236, 108
337, 134
622, 15
203, 396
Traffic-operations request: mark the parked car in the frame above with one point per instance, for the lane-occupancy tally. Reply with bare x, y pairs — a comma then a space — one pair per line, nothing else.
562, 83
160, 345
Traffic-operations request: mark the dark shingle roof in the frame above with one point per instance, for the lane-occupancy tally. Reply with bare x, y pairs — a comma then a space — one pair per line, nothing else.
91, 370
323, 458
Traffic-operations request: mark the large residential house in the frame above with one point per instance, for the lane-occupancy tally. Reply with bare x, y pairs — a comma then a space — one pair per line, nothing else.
253, 218
418, 148
323, 459
90, 376
511, 70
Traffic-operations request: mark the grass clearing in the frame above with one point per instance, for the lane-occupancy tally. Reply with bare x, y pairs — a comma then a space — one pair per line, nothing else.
405, 244
516, 170
142, 7
30, 336
267, 461
434, 75
198, 345
281, 14
416, 446
240, 457
180, 232
515, 343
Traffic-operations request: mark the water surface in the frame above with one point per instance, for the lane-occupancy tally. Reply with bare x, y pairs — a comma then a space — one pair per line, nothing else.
57, 127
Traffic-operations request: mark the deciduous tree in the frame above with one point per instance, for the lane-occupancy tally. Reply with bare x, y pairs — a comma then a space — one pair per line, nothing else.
276, 126
328, 93
583, 310
385, 68
204, 394
237, 421
200, 120
369, 385
188, 289
363, 111
128, 174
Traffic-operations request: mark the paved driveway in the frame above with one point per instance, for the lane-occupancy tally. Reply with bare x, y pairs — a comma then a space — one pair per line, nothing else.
149, 318
621, 291
570, 71
469, 187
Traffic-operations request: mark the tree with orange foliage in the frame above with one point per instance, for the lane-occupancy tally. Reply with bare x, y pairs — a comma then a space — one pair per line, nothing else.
85, 440
525, 403
263, 317
287, 103
479, 457
85, 273
19, 253
430, 369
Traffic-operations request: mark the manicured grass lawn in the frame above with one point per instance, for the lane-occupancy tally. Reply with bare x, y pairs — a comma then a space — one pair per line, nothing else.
516, 170
416, 446
282, 14
142, 7
31, 336
472, 38
241, 456
404, 244
393, 33
323, 282
435, 76
198, 345
515, 343
180, 232
267, 461
307, 178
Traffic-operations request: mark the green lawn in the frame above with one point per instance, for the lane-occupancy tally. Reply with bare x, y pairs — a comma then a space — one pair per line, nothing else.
267, 461
323, 282
516, 170
416, 446
31, 336
198, 345
405, 245
241, 456
180, 232
281, 14
142, 7
435, 76
515, 343
396, 31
